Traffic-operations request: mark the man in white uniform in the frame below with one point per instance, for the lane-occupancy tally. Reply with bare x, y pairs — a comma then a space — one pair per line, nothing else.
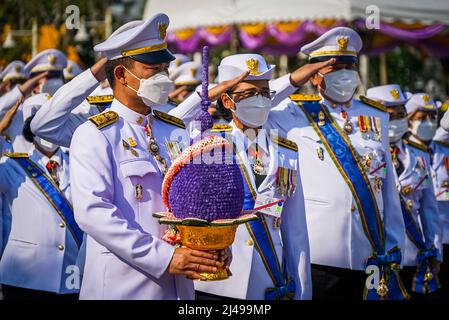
265, 160
352, 205
119, 159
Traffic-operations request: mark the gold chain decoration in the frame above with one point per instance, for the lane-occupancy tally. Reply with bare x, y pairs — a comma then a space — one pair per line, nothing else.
153, 148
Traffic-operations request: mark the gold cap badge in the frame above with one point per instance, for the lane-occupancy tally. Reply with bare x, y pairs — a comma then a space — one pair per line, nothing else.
342, 43
162, 30
253, 66
425, 98
395, 94
52, 59
193, 71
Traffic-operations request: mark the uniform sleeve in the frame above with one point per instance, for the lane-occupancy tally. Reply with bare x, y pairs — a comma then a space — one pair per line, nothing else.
9, 99
445, 121
55, 120
188, 109
92, 176
283, 88
393, 220
2, 144
296, 243
429, 217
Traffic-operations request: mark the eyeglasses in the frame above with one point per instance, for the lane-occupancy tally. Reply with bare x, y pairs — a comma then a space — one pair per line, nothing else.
240, 95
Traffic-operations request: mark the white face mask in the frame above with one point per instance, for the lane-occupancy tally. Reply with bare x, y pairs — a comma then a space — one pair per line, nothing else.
155, 89
51, 85
396, 129
424, 130
340, 84
45, 145
252, 112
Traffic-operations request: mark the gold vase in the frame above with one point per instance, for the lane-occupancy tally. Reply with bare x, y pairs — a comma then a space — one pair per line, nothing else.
208, 238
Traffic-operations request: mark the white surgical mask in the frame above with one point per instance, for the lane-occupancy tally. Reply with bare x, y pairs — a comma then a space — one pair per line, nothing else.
51, 85
424, 130
340, 84
253, 112
45, 145
155, 89
396, 129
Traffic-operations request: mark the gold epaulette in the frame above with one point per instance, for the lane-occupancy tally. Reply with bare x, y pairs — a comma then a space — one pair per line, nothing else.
15, 154
442, 143
100, 99
305, 97
169, 119
174, 102
221, 128
284, 142
444, 106
416, 145
373, 103
104, 119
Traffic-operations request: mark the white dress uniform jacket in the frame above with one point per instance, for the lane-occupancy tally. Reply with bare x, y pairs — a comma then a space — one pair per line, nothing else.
415, 184
440, 174
250, 278
336, 234
40, 248
126, 257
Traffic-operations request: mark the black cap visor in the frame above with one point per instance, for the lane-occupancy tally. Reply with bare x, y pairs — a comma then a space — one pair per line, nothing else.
154, 57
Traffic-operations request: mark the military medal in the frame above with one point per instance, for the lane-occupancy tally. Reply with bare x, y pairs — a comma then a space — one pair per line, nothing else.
139, 194
376, 126
258, 167
347, 125
367, 158
286, 181
406, 190
394, 150
377, 184
382, 288
153, 148
277, 222
321, 118
173, 149
320, 152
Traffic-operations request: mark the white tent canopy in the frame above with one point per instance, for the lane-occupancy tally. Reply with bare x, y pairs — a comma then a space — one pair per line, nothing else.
195, 13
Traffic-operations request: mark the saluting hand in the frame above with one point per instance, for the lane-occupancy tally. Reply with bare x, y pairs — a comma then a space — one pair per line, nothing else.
304, 73
27, 87
225, 86
98, 69
5, 122
191, 263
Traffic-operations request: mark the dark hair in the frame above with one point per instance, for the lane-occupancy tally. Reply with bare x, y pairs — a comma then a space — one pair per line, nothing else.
224, 113
110, 66
26, 131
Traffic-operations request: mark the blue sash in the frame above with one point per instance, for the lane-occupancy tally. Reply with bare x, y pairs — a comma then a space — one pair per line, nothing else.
347, 162
425, 279
51, 191
284, 287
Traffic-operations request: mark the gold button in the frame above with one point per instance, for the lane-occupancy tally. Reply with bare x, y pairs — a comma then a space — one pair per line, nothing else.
61, 247
139, 120
250, 242
353, 208
61, 225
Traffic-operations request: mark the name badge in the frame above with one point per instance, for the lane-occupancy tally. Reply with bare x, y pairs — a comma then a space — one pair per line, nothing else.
269, 205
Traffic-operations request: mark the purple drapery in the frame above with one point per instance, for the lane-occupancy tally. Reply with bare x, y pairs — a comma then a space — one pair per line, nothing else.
271, 39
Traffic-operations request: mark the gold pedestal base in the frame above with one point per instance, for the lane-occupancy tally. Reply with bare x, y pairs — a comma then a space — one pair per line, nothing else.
221, 274
209, 239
